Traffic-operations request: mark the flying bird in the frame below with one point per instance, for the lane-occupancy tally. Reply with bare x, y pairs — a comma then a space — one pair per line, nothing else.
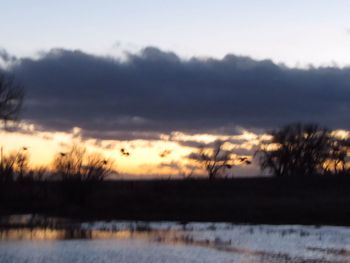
245, 160
164, 153
124, 152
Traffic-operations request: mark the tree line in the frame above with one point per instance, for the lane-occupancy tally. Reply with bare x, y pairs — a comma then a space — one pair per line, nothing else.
296, 150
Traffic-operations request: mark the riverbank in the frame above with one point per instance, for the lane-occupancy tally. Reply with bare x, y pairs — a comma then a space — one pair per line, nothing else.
310, 201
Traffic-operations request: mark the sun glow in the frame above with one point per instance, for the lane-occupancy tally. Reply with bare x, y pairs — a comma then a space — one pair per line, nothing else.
163, 157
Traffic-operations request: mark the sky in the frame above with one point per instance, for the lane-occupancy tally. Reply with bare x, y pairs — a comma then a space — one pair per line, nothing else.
294, 32
155, 76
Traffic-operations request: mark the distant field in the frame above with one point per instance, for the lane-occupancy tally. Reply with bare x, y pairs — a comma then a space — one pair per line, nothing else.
314, 200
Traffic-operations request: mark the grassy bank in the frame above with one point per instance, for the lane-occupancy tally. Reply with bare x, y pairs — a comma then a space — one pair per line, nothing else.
318, 200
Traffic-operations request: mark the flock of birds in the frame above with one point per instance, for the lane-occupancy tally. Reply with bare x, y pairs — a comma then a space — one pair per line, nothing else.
124, 152
162, 154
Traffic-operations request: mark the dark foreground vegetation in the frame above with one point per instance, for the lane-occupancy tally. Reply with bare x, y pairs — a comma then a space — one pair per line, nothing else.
314, 200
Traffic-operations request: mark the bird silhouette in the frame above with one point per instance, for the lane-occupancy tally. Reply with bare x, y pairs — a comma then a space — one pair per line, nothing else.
244, 160
124, 152
164, 153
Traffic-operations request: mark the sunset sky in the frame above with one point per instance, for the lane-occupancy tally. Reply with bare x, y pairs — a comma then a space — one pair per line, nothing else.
156, 77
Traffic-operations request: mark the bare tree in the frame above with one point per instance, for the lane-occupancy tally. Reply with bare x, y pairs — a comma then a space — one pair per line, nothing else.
80, 172
338, 160
22, 163
97, 168
217, 161
11, 98
7, 168
78, 165
14, 166
297, 150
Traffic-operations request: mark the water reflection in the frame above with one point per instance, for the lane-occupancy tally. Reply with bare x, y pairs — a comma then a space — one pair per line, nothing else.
43, 234
166, 237
34, 220
251, 243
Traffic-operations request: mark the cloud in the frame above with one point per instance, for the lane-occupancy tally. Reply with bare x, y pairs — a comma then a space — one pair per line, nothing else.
154, 92
173, 165
6, 59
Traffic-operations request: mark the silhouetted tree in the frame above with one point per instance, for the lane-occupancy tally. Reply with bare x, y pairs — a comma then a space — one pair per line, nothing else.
22, 164
14, 166
215, 160
11, 97
78, 165
338, 157
80, 173
297, 150
7, 168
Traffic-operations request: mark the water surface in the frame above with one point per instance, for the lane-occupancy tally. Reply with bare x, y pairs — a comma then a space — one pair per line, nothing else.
37, 239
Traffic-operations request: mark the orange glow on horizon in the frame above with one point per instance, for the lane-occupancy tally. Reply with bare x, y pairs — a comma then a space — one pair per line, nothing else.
145, 158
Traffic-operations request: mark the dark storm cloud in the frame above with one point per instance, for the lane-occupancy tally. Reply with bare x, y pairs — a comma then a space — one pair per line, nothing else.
155, 91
